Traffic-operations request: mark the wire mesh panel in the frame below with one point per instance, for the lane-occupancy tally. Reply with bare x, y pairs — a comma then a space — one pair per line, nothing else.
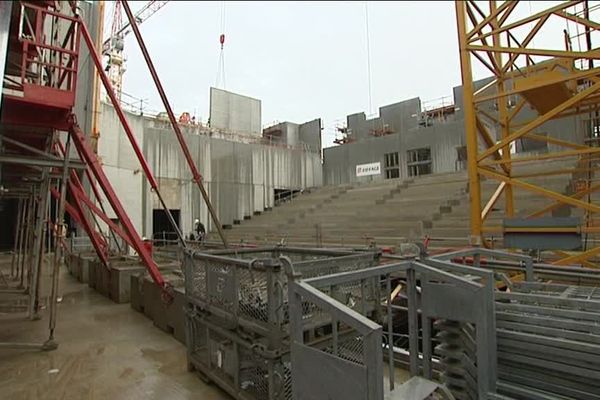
238, 318
253, 293
236, 364
345, 346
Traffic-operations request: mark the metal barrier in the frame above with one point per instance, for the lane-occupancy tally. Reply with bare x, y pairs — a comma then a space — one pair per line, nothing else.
249, 286
239, 365
237, 314
252, 314
346, 361
549, 341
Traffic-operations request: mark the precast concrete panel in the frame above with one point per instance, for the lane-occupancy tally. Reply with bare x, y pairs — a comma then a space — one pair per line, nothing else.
128, 187
114, 147
234, 112
310, 135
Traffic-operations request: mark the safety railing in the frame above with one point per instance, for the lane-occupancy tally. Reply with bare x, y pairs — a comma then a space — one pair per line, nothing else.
50, 54
349, 352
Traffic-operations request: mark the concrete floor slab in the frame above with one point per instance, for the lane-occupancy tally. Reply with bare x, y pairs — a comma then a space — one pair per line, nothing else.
106, 351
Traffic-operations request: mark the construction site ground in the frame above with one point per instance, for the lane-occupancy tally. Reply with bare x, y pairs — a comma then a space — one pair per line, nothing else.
106, 351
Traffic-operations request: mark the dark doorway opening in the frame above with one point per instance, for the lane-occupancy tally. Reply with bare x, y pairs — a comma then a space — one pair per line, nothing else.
9, 209
162, 230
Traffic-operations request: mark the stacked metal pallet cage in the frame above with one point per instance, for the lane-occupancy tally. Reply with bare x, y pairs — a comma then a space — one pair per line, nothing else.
549, 341
237, 314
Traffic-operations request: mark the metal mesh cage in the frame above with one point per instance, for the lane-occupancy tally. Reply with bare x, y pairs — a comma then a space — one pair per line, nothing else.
253, 295
252, 291
235, 363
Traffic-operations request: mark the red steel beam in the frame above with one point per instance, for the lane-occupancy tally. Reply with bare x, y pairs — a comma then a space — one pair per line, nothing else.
70, 209
176, 128
97, 241
87, 172
94, 165
94, 55
90, 204
75, 179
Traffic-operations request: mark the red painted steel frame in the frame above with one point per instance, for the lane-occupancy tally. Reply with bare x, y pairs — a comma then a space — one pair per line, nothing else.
70, 209
76, 189
90, 158
97, 241
80, 195
128, 131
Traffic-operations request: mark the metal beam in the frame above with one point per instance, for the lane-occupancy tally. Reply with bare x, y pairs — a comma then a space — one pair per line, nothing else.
524, 21
39, 162
537, 189
540, 120
470, 124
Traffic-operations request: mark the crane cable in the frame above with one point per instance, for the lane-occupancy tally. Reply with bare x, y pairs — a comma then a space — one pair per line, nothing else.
368, 57
221, 64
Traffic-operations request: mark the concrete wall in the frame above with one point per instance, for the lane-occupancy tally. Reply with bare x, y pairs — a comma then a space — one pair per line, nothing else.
339, 162
398, 117
310, 134
120, 163
443, 137
239, 177
306, 135
234, 112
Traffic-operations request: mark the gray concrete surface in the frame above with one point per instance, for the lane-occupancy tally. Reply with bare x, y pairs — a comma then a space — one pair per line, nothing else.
240, 177
235, 112
409, 129
106, 351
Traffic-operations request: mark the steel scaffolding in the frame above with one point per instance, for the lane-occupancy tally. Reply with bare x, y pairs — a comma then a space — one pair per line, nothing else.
547, 82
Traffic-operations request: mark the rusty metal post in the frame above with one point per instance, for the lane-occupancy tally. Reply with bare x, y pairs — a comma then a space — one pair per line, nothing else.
38, 244
59, 234
16, 246
27, 232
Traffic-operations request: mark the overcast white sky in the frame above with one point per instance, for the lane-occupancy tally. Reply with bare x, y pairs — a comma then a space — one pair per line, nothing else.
303, 60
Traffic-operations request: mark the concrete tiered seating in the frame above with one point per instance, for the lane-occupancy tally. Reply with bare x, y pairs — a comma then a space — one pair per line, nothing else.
386, 212
392, 211
453, 228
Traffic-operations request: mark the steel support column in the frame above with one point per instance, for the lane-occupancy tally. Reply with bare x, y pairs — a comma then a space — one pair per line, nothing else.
470, 125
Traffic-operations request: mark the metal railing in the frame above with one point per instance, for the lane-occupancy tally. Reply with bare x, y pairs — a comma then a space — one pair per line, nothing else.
350, 352
249, 286
49, 58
